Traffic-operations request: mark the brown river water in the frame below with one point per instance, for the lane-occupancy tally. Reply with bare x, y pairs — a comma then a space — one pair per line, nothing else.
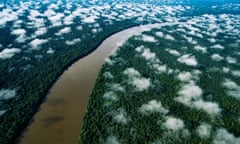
60, 118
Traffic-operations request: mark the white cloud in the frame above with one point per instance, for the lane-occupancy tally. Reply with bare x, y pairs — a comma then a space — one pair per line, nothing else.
185, 76
65, 30
173, 123
131, 72
117, 87
233, 88
188, 60
153, 106
169, 37
212, 40
2, 112
56, 19
189, 92
139, 49
204, 130
200, 48
50, 51
35, 44
135, 79
159, 34
217, 46
121, 116
236, 73
79, 28
40, 31
173, 52
6, 94
191, 95
141, 83
160, 68
209, 107
7, 15
111, 96
108, 75
112, 140
231, 60
90, 19
217, 57
222, 136
9, 52
225, 69
73, 42
18, 32
147, 38
21, 35
148, 55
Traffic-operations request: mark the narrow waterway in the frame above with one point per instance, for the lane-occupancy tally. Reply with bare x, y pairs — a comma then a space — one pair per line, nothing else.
60, 118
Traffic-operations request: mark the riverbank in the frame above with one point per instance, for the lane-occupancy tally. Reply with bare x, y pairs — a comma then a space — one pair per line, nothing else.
60, 117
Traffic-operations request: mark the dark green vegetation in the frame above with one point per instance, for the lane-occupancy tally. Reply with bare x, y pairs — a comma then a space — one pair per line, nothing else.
31, 72
212, 115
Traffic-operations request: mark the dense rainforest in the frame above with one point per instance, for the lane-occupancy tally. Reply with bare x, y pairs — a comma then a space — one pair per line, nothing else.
179, 83
40, 39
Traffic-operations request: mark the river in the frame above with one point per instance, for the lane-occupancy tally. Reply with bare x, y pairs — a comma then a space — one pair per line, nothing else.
60, 118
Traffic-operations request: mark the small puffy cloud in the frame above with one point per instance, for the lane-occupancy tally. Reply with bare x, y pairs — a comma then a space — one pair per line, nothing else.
56, 19
110, 96
18, 32
117, 87
217, 57
112, 140
188, 60
40, 31
35, 44
173, 123
2, 112
169, 37
236, 73
153, 106
226, 69
108, 75
140, 49
120, 116
9, 52
209, 107
50, 51
233, 88
204, 130
148, 55
21, 35
231, 60
6, 94
147, 38
135, 79
191, 95
73, 42
173, 52
200, 48
79, 28
189, 92
222, 136
141, 83
90, 19
217, 46
185, 76
65, 30
160, 68
159, 34
131, 72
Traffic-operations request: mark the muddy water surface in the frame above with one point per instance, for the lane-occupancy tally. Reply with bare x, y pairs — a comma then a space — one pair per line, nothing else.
60, 118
